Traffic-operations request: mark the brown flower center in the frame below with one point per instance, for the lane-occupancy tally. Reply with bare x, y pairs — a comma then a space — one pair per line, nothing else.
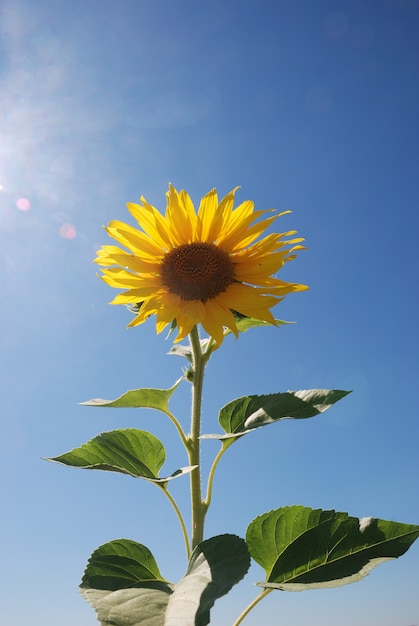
197, 271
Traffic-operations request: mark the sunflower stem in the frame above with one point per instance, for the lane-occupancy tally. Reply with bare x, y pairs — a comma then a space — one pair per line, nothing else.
194, 451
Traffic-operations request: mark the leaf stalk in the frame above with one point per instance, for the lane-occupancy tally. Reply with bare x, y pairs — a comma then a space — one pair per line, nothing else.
250, 606
180, 518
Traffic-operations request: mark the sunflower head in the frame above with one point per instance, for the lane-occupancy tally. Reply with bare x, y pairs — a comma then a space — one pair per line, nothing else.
198, 267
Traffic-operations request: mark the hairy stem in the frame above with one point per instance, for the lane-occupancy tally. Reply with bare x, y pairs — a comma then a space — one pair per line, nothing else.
198, 509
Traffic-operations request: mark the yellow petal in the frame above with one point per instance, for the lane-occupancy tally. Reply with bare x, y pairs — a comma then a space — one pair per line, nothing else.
151, 221
178, 216
216, 318
241, 240
249, 301
133, 239
206, 213
238, 223
133, 296
132, 262
191, 313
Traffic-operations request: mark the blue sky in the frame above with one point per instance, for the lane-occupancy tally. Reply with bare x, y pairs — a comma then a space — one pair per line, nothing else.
310, 106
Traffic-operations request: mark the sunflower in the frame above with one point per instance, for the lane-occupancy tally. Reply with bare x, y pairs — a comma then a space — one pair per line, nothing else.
204, 267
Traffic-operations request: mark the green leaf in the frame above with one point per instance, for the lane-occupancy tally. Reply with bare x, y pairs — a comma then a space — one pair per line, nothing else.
301, 548
139, 398
250, 412
129, 451
245, 323
120, 564
130, 607
215, 566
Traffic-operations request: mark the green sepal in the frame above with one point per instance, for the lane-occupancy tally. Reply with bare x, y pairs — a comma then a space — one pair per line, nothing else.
139, 398
137, 453
246, 323
302, 548
245, 414
179, 349
214, 567
243, 324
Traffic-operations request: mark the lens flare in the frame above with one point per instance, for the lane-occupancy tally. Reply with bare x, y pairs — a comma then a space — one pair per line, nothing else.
68, 231
23, 204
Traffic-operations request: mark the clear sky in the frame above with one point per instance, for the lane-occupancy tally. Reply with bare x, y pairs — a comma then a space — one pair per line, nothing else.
309, 105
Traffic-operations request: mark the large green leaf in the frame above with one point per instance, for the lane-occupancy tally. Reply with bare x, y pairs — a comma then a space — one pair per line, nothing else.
244, 415
144, 606
139, 398
128, 451
215, 566
301, 548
